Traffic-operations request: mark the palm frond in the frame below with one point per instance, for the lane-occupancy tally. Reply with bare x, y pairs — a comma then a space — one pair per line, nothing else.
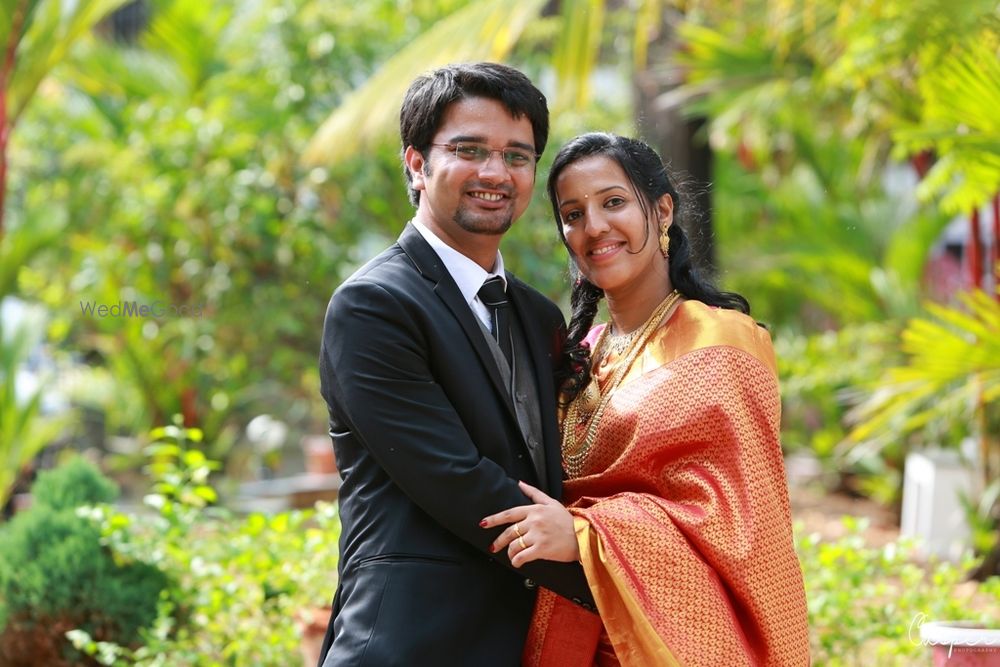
190, 34
482, 31
51, 31
23, 432
953, 363
576, 50
961, 95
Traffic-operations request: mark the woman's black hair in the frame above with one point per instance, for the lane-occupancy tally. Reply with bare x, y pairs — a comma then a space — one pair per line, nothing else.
649, 178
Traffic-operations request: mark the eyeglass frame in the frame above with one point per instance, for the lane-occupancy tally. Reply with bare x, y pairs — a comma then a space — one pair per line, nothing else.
518, 152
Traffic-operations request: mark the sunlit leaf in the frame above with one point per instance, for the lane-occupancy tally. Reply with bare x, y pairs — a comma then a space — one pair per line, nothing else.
52, 29
482, 31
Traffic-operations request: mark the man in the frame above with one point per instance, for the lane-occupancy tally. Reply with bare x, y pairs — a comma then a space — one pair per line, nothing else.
441, 397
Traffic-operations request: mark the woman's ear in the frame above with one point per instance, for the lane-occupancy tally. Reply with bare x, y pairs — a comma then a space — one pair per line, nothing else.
665, 209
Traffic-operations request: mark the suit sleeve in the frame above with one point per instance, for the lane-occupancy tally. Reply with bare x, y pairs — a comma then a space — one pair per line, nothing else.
375, 369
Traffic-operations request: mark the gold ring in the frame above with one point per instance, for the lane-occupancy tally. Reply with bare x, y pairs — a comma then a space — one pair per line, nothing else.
517, 531
520, 540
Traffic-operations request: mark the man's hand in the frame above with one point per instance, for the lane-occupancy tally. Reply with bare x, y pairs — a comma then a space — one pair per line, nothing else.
543, 531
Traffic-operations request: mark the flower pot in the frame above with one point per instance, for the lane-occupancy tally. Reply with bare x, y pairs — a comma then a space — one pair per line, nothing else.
319, 456
312, 624
961, 644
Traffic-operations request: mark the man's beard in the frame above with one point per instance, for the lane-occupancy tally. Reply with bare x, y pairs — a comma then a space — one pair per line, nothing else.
478, 225
469, 223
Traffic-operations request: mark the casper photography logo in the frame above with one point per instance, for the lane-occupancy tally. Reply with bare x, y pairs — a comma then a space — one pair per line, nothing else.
962, 637
129, 309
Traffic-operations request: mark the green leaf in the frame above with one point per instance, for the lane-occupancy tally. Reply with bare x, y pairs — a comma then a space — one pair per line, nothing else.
482, 31
52, 29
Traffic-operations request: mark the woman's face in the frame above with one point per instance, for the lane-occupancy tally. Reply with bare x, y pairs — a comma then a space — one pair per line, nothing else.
614, 244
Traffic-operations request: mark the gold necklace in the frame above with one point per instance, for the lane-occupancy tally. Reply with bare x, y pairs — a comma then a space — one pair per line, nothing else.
574, 451
618, 343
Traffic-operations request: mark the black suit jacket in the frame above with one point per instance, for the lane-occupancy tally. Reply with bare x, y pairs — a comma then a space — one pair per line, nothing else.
427, 442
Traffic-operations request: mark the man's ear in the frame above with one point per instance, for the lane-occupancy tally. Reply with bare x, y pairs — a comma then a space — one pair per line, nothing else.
415, 163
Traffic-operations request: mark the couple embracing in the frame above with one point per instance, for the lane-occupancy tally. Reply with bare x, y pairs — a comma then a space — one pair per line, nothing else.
519, 491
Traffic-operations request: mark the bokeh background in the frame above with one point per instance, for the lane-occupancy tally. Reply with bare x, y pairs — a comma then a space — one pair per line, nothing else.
228, 164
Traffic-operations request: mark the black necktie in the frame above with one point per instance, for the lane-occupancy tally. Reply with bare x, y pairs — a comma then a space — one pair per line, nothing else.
494, 297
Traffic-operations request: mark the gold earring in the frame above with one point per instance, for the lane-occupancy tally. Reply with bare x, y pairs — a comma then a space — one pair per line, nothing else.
664, 240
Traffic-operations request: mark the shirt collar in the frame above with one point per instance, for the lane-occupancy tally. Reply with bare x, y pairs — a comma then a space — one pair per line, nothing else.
468, 275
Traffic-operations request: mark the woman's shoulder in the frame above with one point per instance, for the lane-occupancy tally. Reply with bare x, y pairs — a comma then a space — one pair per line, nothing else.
697, 325
726, 318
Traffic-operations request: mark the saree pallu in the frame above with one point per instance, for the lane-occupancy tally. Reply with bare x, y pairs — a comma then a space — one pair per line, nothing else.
682, 515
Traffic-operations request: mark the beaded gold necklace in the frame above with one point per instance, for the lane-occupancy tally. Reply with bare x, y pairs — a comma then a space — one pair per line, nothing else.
588, 405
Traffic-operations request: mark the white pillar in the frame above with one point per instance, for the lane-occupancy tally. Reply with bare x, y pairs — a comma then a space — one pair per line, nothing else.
932, 510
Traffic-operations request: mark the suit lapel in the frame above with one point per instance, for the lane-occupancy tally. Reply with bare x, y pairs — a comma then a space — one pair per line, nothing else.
540, 347
432, 268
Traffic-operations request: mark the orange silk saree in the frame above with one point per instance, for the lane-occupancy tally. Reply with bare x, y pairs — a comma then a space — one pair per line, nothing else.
681, 510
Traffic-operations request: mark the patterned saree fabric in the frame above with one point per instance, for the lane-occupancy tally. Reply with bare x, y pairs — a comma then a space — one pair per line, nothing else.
681, 510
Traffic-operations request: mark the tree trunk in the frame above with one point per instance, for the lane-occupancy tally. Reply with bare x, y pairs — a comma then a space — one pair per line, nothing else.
990, 566
681, 142
6, 74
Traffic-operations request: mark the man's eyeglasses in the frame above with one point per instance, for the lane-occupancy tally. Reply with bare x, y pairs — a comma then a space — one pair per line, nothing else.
514, 158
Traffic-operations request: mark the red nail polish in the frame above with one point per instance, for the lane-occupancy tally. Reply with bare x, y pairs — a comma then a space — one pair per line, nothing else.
482, 524
492, 549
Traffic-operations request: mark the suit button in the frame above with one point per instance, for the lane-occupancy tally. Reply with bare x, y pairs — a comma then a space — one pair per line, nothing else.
530, 584
520, 456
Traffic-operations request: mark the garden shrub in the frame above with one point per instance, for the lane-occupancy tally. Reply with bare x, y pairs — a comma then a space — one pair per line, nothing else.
866, 604
76, 482
57, 575
239, 583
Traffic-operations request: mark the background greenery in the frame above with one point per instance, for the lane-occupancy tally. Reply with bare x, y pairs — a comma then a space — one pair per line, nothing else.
240, 159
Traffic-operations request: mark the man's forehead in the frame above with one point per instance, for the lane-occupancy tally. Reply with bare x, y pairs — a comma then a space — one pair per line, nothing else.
481, 119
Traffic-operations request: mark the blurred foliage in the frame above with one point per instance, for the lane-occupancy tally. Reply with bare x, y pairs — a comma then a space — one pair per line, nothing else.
816, 108
170, 171
566, 41
41, 32
56, 574
961, 93
950, 379
805, 100
952, 370
75, 483
172, 165
170, 168
819, 379
239, 582
24, 430
866, 604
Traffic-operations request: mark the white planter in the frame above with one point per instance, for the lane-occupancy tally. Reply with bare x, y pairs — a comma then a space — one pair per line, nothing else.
932, 510
961, 644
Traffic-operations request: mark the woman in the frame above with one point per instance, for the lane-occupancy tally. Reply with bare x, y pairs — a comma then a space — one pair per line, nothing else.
676, 492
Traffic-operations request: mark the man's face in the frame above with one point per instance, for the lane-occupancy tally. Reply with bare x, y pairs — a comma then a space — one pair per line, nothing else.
464, 197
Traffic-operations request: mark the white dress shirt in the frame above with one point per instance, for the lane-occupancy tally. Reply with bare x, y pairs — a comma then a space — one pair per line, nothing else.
468, 275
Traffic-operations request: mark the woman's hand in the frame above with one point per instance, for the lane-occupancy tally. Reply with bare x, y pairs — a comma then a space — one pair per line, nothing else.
541, 531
